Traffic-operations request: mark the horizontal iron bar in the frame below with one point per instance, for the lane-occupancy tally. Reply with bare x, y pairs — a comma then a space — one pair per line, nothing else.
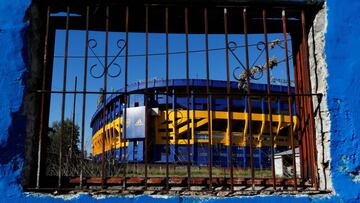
159, 180
262, 3
170, 93
244, 192
170, 53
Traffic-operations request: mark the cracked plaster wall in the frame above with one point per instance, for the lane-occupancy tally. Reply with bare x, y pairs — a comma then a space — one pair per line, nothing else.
341, 96
319, 84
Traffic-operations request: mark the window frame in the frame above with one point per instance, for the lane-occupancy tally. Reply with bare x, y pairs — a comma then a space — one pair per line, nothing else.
49, 35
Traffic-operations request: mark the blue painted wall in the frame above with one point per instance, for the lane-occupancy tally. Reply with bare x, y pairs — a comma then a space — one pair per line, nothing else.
342, 40
343, 100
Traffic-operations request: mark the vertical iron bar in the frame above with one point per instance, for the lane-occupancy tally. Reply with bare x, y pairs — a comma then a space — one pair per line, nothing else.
249, 97
302, 150
84, 94
309, 101
187, 94
208, 97
104, 97
175, 128
41, 132
125, 87
120, 130
146, 89
110, 132
269, 98
289, 98
306, 115
73, 120
113, 129
167, 96
64, 93
228, 91
305, 130
302, 109
193, 124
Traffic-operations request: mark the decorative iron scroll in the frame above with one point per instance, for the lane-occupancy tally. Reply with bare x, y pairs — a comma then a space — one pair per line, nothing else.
121, 44
255, 72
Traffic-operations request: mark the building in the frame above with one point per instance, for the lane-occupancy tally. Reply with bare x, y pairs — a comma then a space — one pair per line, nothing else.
199, 138
283, 163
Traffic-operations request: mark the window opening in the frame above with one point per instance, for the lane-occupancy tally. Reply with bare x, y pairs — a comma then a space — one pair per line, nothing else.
176, 96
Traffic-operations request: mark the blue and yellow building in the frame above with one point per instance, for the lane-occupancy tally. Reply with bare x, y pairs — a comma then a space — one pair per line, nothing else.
175, 123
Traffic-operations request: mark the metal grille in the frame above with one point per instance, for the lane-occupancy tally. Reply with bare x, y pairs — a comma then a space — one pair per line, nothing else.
252, 128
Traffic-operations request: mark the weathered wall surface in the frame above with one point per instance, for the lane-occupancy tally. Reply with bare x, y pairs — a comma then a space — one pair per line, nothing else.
343, 95
342, 89
318, 76
13, 57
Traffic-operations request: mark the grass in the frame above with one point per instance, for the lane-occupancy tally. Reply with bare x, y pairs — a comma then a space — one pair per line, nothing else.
195, 171
116, 169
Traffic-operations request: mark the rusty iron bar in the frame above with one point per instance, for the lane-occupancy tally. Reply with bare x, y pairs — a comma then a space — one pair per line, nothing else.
304, 113
303, 110
193, 106
249, 98
311, 129
73, 121
84, 92
41, 132
126, 98
159, 53
104, 96
63, 94
298, 100
175, 126
167, 95
289, 99
309, 101
208, 97
181, 181
113, 138
304, 129
269, 97
146, 90
228, 98
184, 94
298, 110
109, 131
305, 117
187, 94
120, 132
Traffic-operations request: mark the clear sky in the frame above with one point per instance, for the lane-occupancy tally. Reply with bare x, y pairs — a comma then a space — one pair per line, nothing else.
136, 64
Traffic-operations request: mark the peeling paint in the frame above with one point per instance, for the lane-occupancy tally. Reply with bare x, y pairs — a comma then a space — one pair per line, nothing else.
355, 175
343, 99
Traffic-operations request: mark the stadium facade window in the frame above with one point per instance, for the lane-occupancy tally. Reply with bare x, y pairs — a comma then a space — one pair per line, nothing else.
175, 94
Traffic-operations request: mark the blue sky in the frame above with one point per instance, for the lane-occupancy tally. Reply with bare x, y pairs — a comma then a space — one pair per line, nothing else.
136, 64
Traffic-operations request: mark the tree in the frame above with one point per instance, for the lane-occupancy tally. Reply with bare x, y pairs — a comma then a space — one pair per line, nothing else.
68, 145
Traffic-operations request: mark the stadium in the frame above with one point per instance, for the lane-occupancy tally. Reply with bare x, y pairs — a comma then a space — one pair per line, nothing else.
173, 120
